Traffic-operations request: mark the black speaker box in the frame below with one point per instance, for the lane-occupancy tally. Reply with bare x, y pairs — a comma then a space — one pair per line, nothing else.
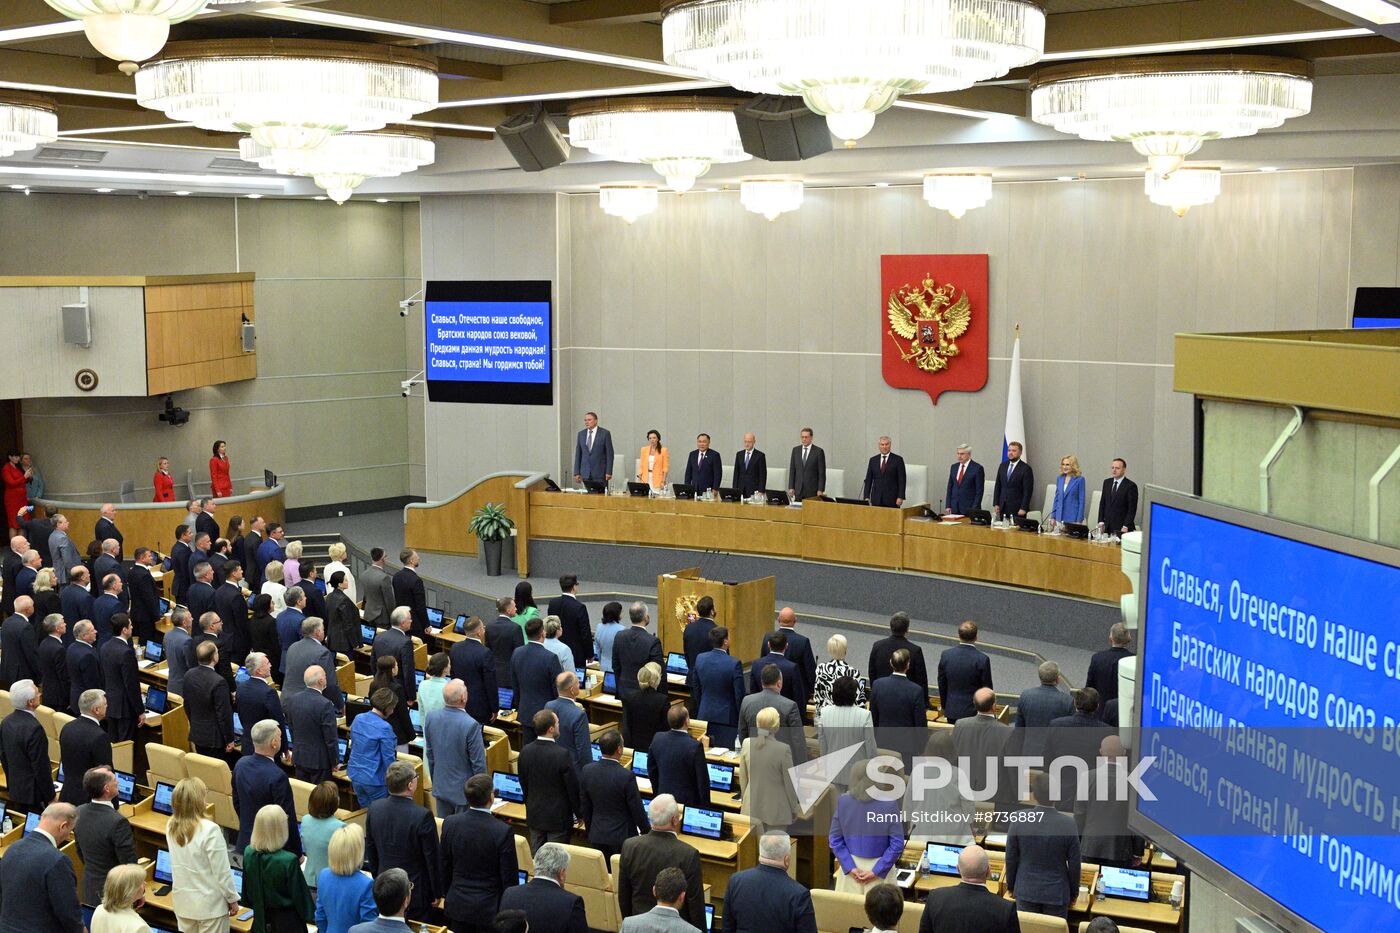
533, 140
782, 129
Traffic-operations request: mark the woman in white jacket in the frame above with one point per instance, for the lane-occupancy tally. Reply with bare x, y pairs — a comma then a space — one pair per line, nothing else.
203, 894
336, 553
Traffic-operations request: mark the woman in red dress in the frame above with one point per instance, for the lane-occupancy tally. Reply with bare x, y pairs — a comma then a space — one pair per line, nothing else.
218, 472
164, 482
16, 493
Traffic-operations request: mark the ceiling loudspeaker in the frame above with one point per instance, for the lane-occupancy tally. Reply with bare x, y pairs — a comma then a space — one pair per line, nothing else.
533, 140
782, 129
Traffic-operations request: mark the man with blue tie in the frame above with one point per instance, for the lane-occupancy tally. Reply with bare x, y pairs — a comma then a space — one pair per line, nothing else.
1015, 485
750, 468
718, 681
966, 479
474, 664
593, 454
703, 469
456, 749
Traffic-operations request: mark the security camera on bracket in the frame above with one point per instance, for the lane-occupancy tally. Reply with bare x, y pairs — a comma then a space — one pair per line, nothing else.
409, 302
408, 384
173, 415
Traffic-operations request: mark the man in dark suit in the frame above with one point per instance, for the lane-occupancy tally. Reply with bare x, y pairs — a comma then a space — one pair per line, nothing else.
750, 468
1103, 824
1119, 502
533, 669
401, 833
311, 651
257, 700
1103, 666
258, 781
106, 528
634, 647
24, 752
969, 905
142, 595
1039, 706
84, 667
19, 645
38, 888
409, 591
503, 638
312, 720
717, 683
205, 522
609, 802
1077, 736
106, 606
200, 598
28, 572
209, 707
884, 478
1015, 485
1042, 857
53, 664
212, 631
798, 649
393, 893
272, 548
966, 480
676, 765
573, 719
881, 651
395, 642
695, 638
37, 532
76, 600
577, 631
478, 859
252, 541
765, 897
233, 610
121, 678
289, 621
550, 782
806, 469
549, 908
9, 573
981, 737
703, 469
593, 452
219, 558
102, 834
794, 688
897, 708
108, 563
473, 663
962, 670
180, 553
315, 599
83, 744
644, 856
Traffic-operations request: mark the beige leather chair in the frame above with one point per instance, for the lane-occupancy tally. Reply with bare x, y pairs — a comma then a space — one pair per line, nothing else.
6, 707
301, 799
911, 918
497, 749
588, 877
1041, 923
45, 716
839, 912
164, 764
526, 861
217, 776
1084, 926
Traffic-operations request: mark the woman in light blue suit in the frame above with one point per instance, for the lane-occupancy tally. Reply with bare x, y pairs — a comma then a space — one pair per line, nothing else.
1069, 493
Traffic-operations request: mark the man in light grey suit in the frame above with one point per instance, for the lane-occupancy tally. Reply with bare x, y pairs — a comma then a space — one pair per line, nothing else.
1040, 706
377, 585
392, 891
593, 454
62, 551
981, 737
806, 469
311, 651
176, 642
455, 749
790, 728
665, 917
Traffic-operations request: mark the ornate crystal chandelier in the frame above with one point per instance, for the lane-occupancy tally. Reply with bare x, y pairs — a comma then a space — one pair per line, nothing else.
770, 196
957, 193
26, 121
680, 137
628, 201
342, 163
850, 60
128, 31
1187, 187
288, 94
1167, 106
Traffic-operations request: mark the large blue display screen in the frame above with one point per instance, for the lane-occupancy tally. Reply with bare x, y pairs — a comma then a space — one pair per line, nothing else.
488, 342
1270, 701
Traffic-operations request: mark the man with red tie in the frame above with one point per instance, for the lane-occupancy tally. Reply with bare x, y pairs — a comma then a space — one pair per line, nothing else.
965, 481
884, 478
702, 468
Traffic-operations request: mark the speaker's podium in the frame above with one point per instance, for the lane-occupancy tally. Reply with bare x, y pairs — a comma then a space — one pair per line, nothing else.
746, 609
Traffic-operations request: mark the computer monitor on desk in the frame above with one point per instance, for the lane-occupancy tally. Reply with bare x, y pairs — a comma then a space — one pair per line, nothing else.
1130, 883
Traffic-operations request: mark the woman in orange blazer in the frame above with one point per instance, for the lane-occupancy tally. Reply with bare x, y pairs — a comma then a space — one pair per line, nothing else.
164, 482
654, 462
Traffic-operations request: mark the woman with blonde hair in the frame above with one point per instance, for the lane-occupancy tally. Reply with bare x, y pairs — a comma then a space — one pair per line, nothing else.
336, 553
291, 564
644, 711
769, 798
272, 880
828, 672
1069, 492
344, 894
122, 893
274, 587
46, 598
203, 896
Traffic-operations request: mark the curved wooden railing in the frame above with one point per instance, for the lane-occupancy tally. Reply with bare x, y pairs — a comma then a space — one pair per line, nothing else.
152, 524
441, 526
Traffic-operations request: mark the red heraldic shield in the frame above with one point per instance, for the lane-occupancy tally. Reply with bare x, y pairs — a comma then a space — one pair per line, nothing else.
933, 323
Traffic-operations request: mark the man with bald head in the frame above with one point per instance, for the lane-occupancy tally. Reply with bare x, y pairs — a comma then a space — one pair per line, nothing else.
456, 750
573, 721
38, 888
19, 645
9, 573
983, 740
969, 905
312, 720
106, 527
1103, 824
750, 468
798, 649
109, 562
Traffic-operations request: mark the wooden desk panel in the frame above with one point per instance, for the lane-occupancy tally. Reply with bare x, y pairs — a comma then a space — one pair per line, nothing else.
845, 546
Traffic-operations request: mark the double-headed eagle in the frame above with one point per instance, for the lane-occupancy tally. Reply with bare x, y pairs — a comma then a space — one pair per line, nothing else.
928, 317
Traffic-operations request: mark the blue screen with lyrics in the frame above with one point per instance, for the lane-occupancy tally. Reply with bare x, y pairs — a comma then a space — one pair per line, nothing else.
1270, 703
489, 342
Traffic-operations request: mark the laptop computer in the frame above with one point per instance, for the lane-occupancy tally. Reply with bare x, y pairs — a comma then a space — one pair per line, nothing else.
242, 676
161, 803
595, 487
153, 654
353, 708
639, 490
461, 627
418, 677
708, 824
596, 752
1076, 530
610, 683
1028, 524
367, 632
343, 746
416, 717
31, 823
776, 497
155, 699
639, 764
550, 485
942, 859
845, 501
507, 786
709, 917
163, 874
523, 876
721, 776
505, 699
126, 786
729, 494
164, 605
434, 617
1131, 883
979, 517
683, 490
677, 668
238, 723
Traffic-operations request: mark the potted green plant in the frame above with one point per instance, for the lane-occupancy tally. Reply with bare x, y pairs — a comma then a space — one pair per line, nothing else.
492, 528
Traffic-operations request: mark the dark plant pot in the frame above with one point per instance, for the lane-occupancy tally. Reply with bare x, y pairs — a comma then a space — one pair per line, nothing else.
494, 550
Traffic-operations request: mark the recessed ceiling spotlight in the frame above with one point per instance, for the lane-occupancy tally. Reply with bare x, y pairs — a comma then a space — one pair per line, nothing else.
182, 194
103, 190
1065, 178
882, 184
381, 200
1268, 168
254, 196
319, 197
18, 187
